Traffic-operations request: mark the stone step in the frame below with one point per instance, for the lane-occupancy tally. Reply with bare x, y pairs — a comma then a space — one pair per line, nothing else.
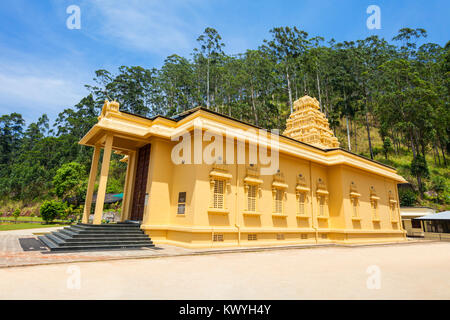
106, 234
65, 238
99, 230
106, 227
103, 243
83, 247
110, 225
55, 239
82, 237
47, 242
68, 232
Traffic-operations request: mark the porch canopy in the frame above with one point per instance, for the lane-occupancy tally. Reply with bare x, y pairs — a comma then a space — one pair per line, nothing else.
444, 215
124, 134
437, 223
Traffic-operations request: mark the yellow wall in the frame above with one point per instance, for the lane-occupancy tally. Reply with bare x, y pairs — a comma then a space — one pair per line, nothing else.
196, 228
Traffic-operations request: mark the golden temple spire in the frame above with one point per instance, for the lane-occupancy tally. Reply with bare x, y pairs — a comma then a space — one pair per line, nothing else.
307, 124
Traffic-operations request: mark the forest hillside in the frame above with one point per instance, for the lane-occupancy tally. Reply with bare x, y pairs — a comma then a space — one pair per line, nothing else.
385, 99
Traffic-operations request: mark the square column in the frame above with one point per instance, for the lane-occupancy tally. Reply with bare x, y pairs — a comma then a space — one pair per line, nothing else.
103, 180
129, 183
91, 184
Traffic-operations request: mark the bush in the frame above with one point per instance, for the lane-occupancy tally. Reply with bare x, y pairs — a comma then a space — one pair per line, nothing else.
16, 214
387, 146
51, 210
70, 181
407, 197
438, 184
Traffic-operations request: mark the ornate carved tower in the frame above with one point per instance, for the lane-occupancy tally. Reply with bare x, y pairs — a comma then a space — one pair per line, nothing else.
309, 125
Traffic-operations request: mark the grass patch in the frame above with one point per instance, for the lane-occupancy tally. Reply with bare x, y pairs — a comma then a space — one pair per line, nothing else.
21, 226
37, 219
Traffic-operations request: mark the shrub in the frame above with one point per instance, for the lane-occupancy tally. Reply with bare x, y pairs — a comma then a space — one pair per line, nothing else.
51, 210
407, 197
16, 214
438, 184
69, 181
387, 146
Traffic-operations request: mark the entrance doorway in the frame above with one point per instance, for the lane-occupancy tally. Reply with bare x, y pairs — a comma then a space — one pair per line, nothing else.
140, 183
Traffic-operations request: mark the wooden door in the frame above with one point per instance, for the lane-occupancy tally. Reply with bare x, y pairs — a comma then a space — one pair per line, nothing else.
140, 183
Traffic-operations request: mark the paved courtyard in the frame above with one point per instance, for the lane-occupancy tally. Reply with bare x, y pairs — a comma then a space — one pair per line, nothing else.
403, 271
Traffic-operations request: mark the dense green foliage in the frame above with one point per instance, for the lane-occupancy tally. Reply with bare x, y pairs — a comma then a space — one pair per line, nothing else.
51, 210
393, 94
16, 213
407, 197
69, 182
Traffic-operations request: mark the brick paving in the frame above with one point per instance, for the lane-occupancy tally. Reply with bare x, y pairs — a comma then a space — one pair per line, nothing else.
12, 254
411, 271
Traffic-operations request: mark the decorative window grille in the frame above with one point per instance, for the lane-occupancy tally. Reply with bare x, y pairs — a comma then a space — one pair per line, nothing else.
251, 198
355, 207
304, 236
374, 209
181, 203
392, 211
278, 201
321, 206
280, 236
252, 237
219, 194
218, 237
301, 203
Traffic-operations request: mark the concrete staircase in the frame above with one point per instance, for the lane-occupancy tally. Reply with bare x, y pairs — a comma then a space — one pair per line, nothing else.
84, 237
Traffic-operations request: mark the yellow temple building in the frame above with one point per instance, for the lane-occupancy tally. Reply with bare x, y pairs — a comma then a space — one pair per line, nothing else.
202, 179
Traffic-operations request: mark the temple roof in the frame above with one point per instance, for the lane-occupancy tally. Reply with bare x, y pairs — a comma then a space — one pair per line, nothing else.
307, 124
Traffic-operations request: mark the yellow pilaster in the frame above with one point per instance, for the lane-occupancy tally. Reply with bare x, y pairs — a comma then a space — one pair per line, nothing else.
91, 184
129, 182
103, 180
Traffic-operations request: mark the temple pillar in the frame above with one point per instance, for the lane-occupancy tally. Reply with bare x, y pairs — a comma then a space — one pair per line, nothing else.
103, 180
91, 184
128, 188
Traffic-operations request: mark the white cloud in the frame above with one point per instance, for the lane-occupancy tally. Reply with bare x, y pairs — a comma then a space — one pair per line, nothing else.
32, 86
150, 26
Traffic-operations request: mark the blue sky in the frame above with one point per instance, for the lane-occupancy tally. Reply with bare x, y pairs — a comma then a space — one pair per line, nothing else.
44, 65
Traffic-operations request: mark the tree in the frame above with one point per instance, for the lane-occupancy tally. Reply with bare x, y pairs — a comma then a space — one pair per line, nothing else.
11, 130
407, 197
287, 45
51, 210
69, 181
419, 169
387, 146
16, 214
210, 50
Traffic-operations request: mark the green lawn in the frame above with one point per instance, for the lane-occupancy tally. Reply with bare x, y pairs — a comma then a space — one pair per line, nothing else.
29, 219
20, 226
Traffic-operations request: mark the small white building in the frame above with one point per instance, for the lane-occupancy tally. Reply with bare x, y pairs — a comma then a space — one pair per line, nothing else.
414, 228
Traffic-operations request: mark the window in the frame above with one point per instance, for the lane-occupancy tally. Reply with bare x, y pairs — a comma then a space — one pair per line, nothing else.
321, 206
301, 203
415, 224
304, 236
181, 202
252, 237
375, 209
251, 198
218, 237
280, 236
219, 195
392, 210
355, 207
278, 205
